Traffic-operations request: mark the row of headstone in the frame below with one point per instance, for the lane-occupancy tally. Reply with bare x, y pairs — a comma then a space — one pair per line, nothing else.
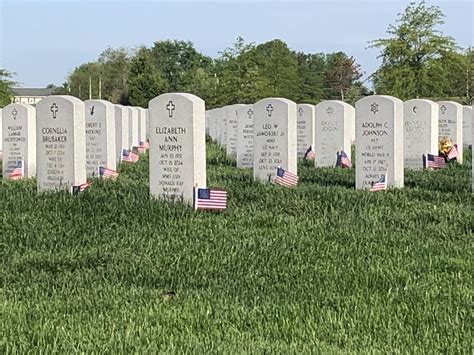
71, 134
63, 140
389, 135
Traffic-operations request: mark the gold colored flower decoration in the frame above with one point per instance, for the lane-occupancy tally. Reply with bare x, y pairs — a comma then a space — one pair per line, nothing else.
445, 145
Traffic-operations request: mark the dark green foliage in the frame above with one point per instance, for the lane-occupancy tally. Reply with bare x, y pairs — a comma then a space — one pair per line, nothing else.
6, 85
322, 268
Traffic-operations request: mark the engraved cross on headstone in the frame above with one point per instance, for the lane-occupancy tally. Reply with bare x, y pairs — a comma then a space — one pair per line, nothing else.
54, 109
300, 111
170, 107
443, 109
270, 110
250, 113
14, 113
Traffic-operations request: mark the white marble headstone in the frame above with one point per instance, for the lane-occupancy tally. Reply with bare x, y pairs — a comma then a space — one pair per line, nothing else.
132, 126
231, 144
215, 126
379, 140
61, 143
274, 140
142, 125
305, 128
177, 146
121, 130
450, 124
222, 116
100, 136
332, 130
245, 136
467, 118
19, 138
421, 131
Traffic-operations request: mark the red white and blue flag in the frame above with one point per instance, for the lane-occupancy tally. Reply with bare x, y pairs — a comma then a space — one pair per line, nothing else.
129, 157
380, 184
142, 147
433, 161
285, 178
310, 154
343, 160
18, 172
210, 199
453, 152
107, 173
81, 188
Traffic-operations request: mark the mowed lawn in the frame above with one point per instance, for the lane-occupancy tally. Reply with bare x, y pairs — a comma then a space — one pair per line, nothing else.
319, 268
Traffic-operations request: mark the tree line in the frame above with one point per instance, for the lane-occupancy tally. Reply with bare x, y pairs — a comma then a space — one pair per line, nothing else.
418, 61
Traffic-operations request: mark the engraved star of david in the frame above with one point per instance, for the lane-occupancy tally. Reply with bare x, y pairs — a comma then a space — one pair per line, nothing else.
374, 108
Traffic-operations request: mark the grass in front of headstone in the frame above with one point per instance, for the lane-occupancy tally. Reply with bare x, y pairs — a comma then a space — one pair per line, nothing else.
321, 267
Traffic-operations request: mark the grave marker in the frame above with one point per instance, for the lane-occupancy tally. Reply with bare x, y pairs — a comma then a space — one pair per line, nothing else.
305, 128
333, 121
100, 136
420, 131
245, 136
450, 124
121, 131
274, 141
19, 138
379, 140
61, 143
177, 146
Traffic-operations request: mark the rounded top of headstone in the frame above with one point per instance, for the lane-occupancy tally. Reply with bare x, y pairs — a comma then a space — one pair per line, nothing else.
452, 103
305, 106
379, 98
334, 102
411, 101
281, 99
17, 106
59, 98
174, 96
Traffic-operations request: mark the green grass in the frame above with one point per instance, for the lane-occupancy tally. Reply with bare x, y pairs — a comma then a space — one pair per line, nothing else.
319, 268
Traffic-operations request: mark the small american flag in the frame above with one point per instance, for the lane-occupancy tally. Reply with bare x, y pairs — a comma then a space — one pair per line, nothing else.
309, 155
285, 178
107, 173
81, 187
142, 147
433, 161
18, 172
380, 184
128, 156
453, 152
210, 199
343, 160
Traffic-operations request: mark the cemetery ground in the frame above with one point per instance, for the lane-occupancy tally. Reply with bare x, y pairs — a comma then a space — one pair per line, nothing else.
322, 267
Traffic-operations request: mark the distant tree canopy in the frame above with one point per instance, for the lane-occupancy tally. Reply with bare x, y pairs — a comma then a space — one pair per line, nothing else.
6, 85
244, 73
419, 61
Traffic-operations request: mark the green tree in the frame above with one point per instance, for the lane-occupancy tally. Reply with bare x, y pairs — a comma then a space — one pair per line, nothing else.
239, 77
311, 69
407, 56
341, 75
278, 69
144, 81
114, 72
175, 60
6, 85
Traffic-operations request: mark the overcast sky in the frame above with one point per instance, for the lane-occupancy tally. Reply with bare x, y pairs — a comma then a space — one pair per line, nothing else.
42, 41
